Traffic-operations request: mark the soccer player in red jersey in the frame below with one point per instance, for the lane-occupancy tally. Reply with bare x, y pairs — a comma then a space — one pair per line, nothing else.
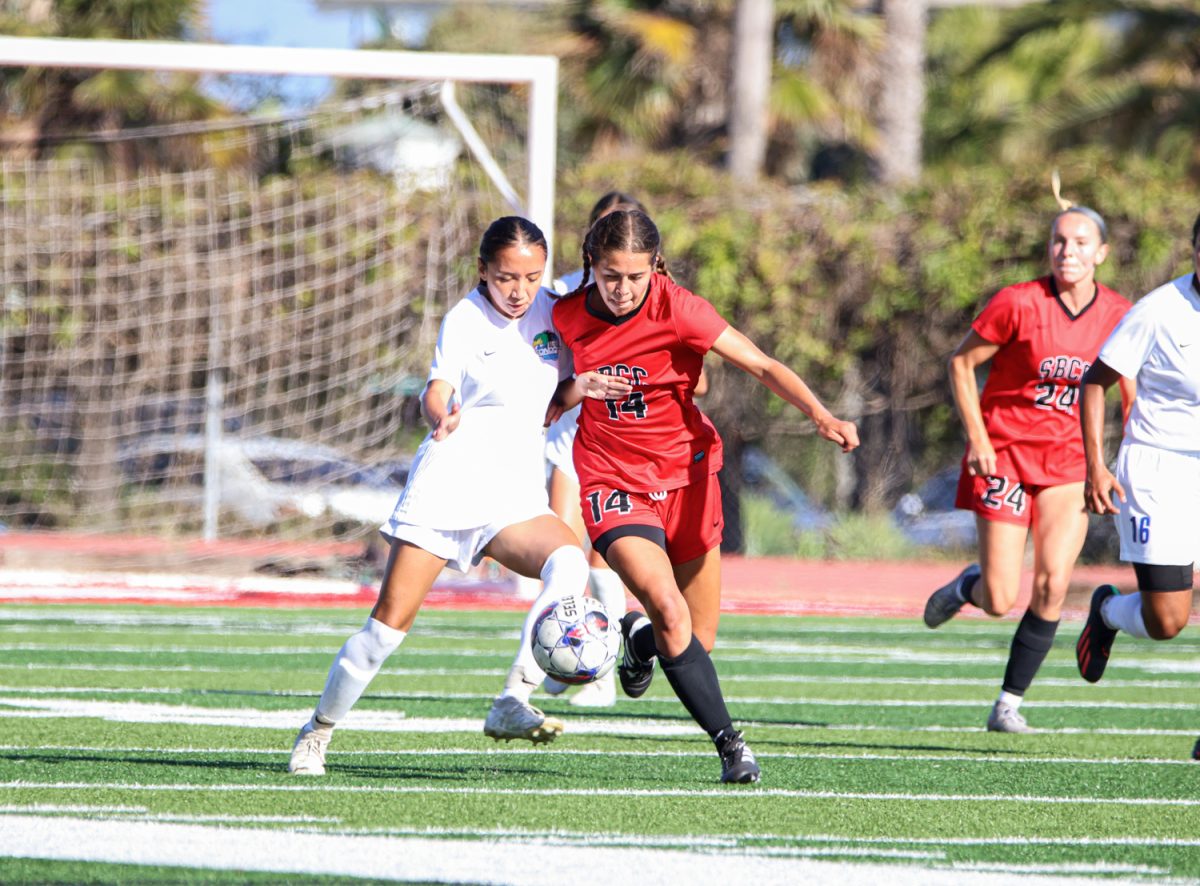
1024, 464
647, 458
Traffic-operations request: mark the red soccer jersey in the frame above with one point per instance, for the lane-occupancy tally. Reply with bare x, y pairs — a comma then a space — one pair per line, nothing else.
1028, 402
656, 438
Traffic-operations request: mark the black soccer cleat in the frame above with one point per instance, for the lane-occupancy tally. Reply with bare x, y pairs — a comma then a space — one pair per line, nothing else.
738, 765
1196, 750
1095, 643
635, 674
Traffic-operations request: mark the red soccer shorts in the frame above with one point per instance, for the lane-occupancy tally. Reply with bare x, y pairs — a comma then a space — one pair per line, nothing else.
1000, 499
685, 522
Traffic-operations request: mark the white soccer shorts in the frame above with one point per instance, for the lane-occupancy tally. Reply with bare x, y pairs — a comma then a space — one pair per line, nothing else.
1159, 523
460, 548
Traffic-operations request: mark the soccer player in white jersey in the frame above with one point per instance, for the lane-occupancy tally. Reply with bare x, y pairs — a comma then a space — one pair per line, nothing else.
1157, 482
476, 486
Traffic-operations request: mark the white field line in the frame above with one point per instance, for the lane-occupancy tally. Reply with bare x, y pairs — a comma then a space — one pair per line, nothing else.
388, 672
809, 701
428, 622
834, 844
334, 633
1104, 868
144, 814
464, 861
392, 753
725, 793
618, 838
817, 680
966, 655
58, 809
361, 719
1041, 730
395, 721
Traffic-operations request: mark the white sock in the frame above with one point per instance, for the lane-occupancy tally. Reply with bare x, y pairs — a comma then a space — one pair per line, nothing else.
355, 666
1007, 698
607, 588
564, 572
1124, 613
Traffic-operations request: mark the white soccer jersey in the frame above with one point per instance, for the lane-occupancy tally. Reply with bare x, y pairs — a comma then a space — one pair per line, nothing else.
560, 436
1158, 345
503, 373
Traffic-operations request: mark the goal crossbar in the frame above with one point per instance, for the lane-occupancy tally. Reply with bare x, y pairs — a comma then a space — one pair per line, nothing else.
538, 71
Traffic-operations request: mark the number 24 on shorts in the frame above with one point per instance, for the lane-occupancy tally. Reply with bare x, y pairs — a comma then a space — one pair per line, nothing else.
1002, 492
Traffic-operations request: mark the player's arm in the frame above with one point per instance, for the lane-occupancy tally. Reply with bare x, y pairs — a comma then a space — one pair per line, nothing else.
973, 352
1128, 391
443, 417
598, 385
1100, 484
736, 348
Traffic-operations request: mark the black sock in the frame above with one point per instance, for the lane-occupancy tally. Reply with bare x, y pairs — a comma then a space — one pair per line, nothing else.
968, 586
644, 646
694, 679
1030, 644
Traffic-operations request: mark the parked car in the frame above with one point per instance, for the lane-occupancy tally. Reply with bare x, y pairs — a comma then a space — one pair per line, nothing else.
927, 516
261, 477
762, 476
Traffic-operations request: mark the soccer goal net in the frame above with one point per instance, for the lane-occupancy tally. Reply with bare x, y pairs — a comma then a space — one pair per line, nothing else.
214, 332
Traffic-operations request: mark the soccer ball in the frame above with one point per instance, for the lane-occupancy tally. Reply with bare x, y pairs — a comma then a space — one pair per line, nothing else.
574, 640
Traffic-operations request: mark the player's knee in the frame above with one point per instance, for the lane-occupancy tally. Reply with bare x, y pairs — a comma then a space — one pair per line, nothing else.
996, 602
365, 652
1164, 625
673, 616
566, 568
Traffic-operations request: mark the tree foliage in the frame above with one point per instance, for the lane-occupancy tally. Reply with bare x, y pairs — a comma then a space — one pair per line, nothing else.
866, 295
42, 106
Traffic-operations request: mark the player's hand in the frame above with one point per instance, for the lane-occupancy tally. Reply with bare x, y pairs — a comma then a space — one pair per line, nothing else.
981, 460
843, 433
446, 426
1098, 491
553, 413
600, 386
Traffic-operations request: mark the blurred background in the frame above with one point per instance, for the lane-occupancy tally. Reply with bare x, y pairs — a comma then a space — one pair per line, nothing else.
236, 280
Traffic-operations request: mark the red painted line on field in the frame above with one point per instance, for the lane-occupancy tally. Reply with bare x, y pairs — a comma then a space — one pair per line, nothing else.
760, 586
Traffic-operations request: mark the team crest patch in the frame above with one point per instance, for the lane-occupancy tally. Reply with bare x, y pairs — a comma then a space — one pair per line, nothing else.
546, 345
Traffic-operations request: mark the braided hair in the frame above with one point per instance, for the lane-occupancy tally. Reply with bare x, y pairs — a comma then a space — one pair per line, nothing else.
622, 230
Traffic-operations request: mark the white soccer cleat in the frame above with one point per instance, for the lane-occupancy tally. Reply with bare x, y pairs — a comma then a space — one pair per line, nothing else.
1006, 718
308, 753
512, 718
600, 693
550, 686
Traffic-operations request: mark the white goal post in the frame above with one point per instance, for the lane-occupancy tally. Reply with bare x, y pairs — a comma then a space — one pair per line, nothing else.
164, 316
540, 72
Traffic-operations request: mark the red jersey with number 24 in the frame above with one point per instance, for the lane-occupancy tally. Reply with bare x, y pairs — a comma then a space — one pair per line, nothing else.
655, 438
1029, 402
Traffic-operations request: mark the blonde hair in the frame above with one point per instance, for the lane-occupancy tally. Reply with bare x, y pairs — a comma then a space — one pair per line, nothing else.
1066, 206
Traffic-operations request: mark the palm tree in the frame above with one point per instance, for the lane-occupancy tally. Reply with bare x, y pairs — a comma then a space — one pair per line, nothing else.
45, 106
1119, 72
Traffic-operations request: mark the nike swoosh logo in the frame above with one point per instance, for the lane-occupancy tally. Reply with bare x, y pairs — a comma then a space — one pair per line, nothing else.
1185, 344
488, 353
